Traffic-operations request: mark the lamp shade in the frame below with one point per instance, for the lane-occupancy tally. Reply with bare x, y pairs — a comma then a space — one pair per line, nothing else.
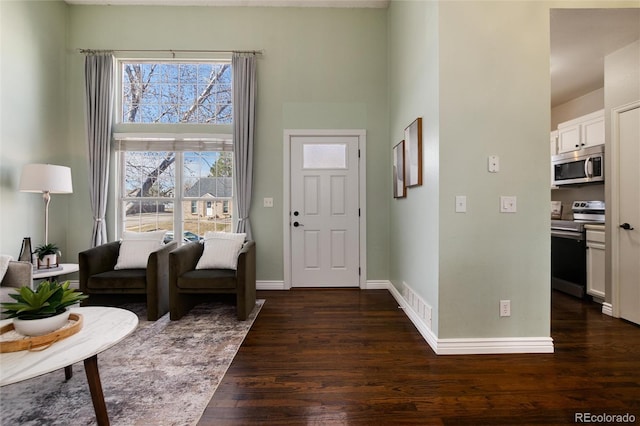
46, 178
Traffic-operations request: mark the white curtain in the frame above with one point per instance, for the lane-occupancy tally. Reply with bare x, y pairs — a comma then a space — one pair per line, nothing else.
244, 105
99, 85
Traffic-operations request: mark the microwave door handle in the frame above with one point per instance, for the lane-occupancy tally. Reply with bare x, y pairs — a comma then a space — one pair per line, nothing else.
588, 168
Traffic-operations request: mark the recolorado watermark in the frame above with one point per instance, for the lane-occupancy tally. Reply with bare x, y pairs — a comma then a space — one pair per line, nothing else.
603, 418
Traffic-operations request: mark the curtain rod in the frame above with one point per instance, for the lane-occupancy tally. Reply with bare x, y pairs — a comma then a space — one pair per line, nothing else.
172, 51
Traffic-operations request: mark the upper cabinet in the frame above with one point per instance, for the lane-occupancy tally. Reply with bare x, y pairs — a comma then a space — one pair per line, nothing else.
581, 132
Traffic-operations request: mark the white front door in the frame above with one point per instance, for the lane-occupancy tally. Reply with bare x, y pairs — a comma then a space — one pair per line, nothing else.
629, 226
324, 210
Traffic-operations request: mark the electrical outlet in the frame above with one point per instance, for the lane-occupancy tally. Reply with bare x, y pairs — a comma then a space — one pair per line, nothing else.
505, 308
494, 164
508, 204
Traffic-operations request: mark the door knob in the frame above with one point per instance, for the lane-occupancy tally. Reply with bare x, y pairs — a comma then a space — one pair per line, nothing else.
626, 227
296, 224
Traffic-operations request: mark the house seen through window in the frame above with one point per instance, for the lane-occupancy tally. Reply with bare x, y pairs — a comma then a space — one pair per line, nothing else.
178, 180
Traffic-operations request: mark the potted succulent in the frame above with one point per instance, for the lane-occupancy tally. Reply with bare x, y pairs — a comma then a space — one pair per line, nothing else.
41, 311
47, 255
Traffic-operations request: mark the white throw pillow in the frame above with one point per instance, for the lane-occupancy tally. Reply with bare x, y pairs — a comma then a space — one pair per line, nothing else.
136, 247
221, 250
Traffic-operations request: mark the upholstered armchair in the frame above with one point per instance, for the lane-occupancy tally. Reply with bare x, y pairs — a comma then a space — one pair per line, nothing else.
18, 274
187, 284
99, 278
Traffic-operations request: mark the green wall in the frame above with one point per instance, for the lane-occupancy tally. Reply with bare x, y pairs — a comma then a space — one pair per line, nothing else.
478, 74
321, 68
33, 114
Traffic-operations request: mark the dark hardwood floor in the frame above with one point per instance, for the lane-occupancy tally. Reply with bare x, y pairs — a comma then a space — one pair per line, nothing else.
346, 357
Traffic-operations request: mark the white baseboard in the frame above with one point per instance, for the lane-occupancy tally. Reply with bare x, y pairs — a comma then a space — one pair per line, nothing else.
419, 313
607, 309
376, 285
270, 285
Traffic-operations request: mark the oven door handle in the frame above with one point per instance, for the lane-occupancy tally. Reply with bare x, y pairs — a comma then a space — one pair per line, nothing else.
567, 234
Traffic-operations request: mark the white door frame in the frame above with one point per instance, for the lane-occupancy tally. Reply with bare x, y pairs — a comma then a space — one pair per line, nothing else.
362, 196
614, 207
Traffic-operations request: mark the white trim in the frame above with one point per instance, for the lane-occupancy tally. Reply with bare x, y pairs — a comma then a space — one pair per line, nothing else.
607, 309
506, 345
286, 208
270, 285
471, 346
376, 285
613, 176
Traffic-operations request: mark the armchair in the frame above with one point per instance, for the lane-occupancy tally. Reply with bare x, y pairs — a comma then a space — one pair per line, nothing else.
186, 282
18, 274
98, 278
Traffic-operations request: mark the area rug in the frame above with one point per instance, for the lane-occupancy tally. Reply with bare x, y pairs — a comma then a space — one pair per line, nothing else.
165, 373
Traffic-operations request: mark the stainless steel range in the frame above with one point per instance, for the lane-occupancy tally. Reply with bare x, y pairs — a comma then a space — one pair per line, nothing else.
568, 247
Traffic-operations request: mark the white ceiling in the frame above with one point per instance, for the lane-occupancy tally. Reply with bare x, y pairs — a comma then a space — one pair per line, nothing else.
580, 38
263, 3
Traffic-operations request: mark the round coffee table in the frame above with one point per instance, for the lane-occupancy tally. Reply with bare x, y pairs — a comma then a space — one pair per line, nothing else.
102, 328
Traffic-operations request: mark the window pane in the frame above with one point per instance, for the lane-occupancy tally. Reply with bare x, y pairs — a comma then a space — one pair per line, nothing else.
324, 156
142, 216
172, 92
149, 174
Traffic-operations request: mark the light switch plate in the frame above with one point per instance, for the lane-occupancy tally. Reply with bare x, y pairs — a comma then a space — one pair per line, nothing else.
461, 203
268, 202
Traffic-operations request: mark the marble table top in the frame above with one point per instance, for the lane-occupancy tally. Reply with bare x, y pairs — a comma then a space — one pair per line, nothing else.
102, 328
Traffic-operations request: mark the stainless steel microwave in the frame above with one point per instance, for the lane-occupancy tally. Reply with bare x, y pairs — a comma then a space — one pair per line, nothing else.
582, 166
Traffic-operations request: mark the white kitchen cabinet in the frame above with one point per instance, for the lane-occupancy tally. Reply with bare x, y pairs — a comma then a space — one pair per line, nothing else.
581, 132
553, 145
595, 263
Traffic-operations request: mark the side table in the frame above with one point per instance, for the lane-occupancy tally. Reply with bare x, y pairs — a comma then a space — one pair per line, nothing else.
64, 269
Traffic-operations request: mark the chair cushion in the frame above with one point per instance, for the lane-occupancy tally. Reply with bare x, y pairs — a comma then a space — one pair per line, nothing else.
221, 250
208, 279
123, 279
136, 248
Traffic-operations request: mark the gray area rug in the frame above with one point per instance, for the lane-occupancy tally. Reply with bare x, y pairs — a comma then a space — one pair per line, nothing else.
165, 373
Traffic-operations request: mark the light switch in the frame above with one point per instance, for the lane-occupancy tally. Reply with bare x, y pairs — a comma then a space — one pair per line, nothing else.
461, 203
268, 202
494, 164
508, 204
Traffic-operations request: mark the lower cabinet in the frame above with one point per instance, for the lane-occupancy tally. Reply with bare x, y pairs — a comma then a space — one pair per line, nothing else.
595, 263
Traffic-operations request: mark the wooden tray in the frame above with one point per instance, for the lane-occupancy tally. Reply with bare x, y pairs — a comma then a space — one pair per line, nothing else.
40, 343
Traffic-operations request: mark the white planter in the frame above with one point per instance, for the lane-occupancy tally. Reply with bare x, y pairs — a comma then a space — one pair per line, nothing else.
38, 327
48, 261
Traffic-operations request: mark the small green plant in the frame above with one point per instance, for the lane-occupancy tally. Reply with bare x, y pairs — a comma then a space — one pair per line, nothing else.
49, 299
46, 249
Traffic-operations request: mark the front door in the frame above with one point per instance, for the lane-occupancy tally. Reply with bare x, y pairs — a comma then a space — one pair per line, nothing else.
324, 211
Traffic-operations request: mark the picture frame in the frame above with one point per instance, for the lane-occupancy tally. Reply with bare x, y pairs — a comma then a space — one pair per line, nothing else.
399, 186
413, 153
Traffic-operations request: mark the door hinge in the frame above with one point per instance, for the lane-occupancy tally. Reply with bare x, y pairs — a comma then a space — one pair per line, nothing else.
359, 271
358, 153
358, 212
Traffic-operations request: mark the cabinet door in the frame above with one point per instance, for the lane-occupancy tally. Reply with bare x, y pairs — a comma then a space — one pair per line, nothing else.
595, 263
569, 138
593, 132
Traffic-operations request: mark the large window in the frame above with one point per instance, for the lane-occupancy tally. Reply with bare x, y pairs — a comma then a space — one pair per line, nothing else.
175, 180
174, 92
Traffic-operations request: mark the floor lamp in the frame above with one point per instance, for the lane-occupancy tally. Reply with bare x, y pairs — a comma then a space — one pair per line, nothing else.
46, 179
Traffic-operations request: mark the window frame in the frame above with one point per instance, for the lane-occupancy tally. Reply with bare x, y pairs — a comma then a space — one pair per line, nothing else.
181, 137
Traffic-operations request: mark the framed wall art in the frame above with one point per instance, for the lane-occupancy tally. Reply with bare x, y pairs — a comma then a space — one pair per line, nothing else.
399, 187
413, 153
